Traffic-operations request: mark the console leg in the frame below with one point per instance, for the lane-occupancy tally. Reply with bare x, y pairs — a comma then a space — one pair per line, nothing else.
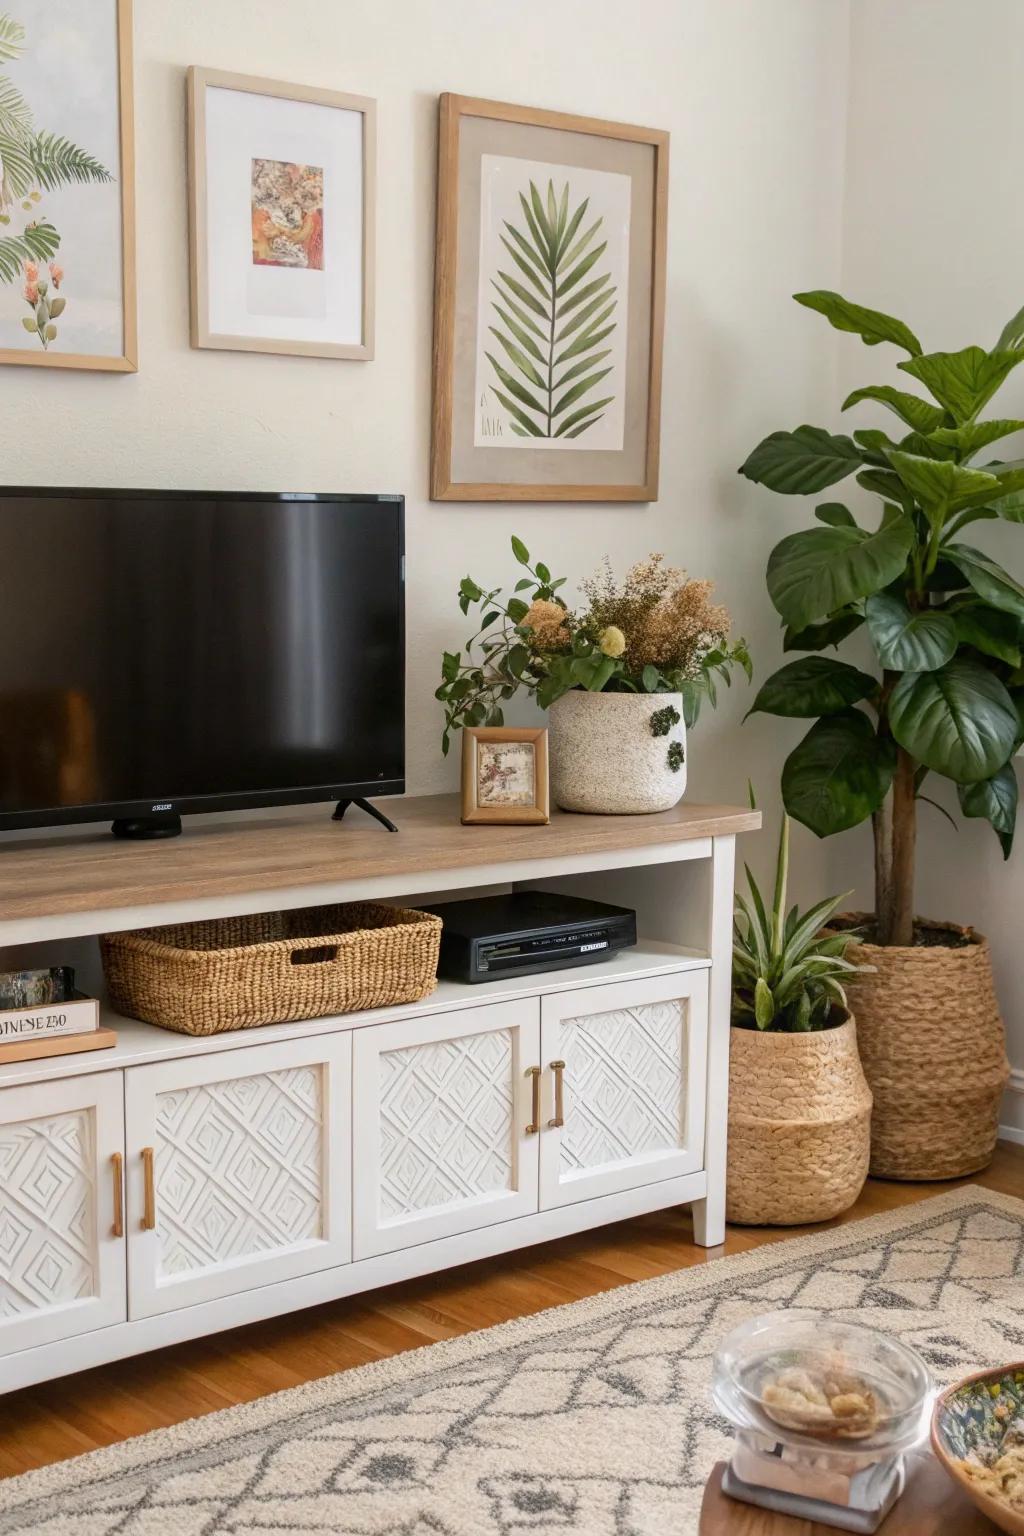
363, 805
708, 1222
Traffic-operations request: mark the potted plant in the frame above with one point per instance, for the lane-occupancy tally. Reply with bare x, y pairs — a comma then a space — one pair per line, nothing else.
622, 675
799, 1104
942, 622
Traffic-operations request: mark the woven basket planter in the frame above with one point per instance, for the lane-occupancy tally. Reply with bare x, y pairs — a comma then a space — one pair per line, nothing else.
932, 1044
272, 967
799, 1126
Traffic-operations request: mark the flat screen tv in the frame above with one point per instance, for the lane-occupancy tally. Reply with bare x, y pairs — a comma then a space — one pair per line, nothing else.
165, 652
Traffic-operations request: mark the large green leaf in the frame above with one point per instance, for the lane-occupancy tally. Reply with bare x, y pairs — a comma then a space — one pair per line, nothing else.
996, 800
917, 413
801, 462
839, 774
58, 163
987, 578
959, 721
869, 324
991, 630
819, 637
962, 381
814, 685
938, 483
814, 573
907, 641
1012, 333
976, 434
1010, 507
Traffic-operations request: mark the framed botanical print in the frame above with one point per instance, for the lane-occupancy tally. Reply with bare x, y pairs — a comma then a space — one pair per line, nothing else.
549, 306
281, 203
67, 187
504, 775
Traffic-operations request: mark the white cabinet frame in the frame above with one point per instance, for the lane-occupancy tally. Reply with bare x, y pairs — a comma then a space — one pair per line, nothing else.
376, 1232
150, 1291
39, 1180
680, 1154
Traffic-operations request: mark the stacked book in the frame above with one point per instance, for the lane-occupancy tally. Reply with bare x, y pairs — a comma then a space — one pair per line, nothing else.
42, 1014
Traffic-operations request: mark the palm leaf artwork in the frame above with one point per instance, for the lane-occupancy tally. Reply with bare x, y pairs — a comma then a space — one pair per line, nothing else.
553, 314
38, 242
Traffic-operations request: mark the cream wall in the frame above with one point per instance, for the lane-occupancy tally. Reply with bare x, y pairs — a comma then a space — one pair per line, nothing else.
933, 232
753, 94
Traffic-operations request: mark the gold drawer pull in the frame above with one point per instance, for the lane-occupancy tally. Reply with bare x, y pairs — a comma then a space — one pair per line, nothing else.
534, 1126
558, 1068
149, 1211
117, 1167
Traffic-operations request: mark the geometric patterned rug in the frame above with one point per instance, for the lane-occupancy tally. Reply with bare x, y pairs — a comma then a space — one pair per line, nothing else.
591, 1419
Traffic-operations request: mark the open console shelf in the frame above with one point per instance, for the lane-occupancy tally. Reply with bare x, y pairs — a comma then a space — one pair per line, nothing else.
173, 1185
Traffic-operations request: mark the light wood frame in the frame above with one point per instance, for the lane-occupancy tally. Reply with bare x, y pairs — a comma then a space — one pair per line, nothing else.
442, 488
128, 362
474, 814
198, 81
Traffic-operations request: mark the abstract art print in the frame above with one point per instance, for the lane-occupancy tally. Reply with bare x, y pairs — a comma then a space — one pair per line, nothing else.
67, 254
549, 306
282, 215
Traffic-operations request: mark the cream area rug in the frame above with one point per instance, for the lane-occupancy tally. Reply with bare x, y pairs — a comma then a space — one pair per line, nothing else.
592, 1419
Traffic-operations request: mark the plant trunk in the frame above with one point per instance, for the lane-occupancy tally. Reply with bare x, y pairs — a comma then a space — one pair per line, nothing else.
895, 829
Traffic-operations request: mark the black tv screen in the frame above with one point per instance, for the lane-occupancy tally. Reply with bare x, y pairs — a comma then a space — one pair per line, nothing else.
169, 651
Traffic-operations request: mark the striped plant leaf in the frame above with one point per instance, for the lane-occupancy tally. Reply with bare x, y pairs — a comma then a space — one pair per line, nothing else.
552, 307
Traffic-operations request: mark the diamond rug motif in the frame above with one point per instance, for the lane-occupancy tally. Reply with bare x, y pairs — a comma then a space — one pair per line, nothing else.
591, 1419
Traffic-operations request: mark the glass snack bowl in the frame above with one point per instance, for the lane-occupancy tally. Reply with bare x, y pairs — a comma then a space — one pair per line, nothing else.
824, 1412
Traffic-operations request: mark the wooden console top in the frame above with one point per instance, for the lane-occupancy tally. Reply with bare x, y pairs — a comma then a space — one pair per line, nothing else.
88, 871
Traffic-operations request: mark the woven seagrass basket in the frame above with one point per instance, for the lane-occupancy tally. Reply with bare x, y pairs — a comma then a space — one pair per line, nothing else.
799, 1126
934, 1053
237, 972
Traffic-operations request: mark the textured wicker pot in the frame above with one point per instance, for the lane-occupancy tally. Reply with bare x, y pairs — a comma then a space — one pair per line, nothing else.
799, 1126
932, 1044
605, 758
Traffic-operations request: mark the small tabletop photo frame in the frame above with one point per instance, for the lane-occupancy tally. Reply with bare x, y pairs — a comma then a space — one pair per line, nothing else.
505, 776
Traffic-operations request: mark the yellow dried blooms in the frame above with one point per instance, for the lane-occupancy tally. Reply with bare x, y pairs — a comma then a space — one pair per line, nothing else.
546, 621
612, 641
667, 620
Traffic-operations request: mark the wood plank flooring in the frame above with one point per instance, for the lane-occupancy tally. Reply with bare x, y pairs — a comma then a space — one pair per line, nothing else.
80, 1413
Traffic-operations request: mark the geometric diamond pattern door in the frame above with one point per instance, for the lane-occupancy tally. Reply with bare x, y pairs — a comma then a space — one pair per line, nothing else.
250, 1156
61, 1268
440, 1110
634, 1057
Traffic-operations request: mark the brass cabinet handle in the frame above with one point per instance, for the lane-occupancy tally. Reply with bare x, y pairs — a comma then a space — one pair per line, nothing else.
149, 1210
117, 1168
534, 1126
558, 1068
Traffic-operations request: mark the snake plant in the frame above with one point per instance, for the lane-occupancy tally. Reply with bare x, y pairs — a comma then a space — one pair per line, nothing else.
786, 973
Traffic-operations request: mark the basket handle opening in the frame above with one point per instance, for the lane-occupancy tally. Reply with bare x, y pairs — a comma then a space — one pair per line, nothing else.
321, 954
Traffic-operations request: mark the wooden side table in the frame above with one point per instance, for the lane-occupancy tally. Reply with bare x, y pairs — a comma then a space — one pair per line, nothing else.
931, 1505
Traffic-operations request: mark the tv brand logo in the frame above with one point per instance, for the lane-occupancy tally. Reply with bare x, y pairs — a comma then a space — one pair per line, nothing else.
164, 805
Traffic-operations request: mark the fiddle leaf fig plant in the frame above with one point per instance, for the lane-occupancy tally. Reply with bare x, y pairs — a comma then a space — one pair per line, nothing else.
944, 621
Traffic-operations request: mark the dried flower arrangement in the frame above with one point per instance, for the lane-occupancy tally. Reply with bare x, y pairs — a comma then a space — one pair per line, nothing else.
656, 632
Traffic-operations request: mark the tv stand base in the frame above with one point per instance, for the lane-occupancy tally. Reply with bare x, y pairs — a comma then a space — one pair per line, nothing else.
168, 825
363, 805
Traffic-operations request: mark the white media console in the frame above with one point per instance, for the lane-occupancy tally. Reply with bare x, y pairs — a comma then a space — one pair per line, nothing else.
171, 1186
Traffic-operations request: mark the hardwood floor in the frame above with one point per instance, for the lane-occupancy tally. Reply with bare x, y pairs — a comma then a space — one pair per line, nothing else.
80, 1413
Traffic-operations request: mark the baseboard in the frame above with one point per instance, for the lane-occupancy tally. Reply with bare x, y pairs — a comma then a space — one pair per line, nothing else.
1012, 1117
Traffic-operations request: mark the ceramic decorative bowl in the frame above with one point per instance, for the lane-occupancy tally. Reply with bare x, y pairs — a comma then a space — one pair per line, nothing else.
978, 1419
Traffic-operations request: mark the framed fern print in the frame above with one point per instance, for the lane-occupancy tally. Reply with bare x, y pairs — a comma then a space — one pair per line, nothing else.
549, 306
67, 197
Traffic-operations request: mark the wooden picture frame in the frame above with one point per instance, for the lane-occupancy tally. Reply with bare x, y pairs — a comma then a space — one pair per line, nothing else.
204, 332
465, 468
128, 359
479, 743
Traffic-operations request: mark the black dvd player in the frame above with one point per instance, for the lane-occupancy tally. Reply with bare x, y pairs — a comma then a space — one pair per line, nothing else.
527, 931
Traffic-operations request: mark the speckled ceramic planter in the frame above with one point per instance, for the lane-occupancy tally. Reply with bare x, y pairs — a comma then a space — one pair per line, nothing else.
615, 754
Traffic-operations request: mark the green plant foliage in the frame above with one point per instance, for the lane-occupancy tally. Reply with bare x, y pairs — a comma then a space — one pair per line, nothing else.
38, 242
552, 315
787, 975
944, 619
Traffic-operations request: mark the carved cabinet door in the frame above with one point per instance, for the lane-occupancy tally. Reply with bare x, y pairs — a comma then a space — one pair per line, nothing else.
62, 1258
445, 1140
624, 1076
238, 1170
